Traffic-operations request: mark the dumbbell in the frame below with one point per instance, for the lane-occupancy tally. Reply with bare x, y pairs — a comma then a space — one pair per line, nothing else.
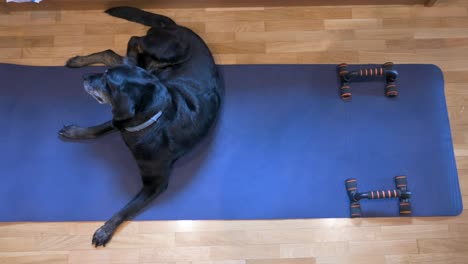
400, 192
364, 74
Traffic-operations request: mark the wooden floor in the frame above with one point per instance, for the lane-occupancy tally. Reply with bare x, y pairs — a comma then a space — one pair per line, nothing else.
400, 34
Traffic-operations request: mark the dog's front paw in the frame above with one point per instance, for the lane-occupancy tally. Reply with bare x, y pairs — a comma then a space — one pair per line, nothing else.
74, 62
102, 236
74, 132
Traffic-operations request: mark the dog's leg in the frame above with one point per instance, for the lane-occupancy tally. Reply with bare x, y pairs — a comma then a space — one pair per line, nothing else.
107, 57
76, 132
133, 49
151, 189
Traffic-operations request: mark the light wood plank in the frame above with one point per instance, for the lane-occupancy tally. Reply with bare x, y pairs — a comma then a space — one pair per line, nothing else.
452, 258
174, 254
106, 29
286, 46
283, 261
437, 33
10, 53
266, 58
218, 37
294, 25
34, 257
45, 52
414, 232
317, 249
375, 12
369, 23
383, 247
414, 22
237, 26
443, 245
90, 40
114, 256
237, 47
293, 236
244, 252
366, 259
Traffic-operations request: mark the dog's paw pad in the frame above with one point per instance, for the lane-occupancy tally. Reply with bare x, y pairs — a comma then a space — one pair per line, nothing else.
102, 236
70, 131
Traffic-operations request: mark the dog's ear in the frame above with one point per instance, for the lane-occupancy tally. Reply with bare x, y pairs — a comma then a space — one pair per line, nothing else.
123, 108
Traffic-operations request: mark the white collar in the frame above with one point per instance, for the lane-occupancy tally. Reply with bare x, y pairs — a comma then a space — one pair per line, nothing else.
146, 124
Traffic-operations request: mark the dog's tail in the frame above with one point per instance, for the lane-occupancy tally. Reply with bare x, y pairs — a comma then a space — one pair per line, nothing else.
139, 16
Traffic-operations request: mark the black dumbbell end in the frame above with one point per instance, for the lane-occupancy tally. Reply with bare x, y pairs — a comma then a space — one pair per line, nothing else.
401, 182
345, 92
351, 185
405, 208
391, 89
355, 210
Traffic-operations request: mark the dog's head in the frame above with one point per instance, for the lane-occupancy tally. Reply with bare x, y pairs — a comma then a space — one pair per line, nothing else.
127, 88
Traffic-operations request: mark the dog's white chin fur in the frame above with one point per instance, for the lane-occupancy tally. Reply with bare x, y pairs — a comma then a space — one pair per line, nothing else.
95, 94
100, 101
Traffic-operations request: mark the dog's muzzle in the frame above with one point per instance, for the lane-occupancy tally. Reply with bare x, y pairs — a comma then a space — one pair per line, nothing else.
93, 90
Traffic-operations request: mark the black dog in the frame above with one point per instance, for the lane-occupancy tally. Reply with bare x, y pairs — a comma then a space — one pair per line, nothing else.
165, 95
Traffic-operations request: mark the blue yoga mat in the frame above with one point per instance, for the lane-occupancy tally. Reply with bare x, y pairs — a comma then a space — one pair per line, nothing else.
282, 148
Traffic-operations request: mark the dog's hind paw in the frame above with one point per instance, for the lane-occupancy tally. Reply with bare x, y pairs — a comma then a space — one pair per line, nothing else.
74, 62
102, 236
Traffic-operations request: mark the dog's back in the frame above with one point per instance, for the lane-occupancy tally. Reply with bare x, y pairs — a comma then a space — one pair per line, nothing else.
184, 64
